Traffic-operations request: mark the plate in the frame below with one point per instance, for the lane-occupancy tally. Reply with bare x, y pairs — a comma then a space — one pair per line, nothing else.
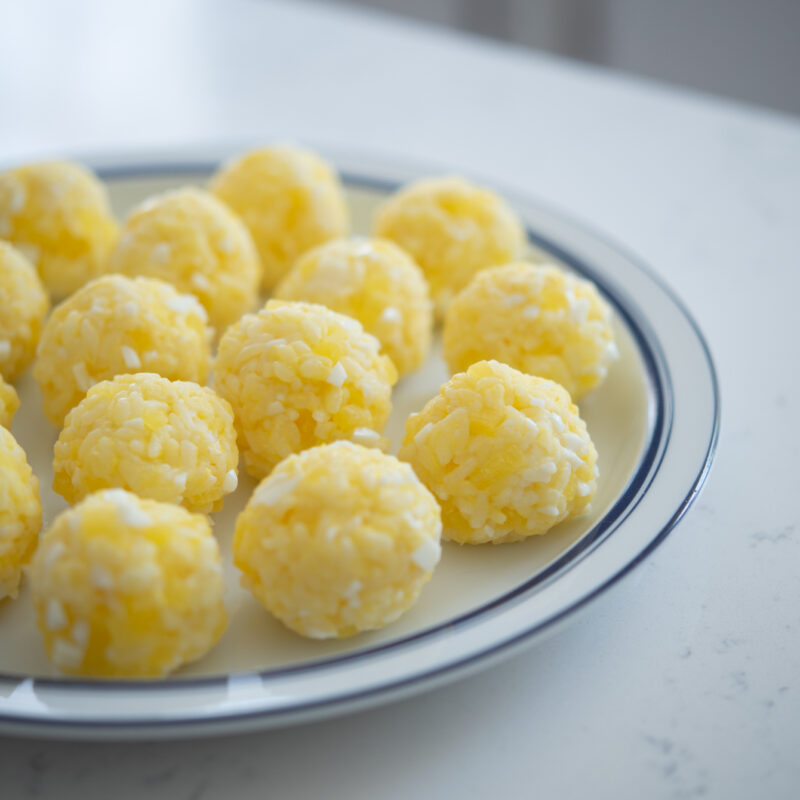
654, 422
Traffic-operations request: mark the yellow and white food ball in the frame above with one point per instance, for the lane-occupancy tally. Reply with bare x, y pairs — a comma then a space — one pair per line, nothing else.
116, 325
298, 375
195, 242
505, 453
289, 198
9, 403
337, 540
127, 588
23, 307
374, 281
172, 441
452, 229
536, 318
20, 513
58, 214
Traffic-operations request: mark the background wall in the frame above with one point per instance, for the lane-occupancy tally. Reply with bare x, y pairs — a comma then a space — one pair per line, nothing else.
747, 50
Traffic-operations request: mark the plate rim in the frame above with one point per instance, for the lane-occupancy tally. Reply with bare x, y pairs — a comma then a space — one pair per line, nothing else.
654, 448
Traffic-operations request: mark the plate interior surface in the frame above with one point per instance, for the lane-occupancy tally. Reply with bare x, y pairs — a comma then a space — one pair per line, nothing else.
468, 579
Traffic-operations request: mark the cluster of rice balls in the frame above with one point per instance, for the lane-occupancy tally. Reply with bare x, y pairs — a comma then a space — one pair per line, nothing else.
338, 537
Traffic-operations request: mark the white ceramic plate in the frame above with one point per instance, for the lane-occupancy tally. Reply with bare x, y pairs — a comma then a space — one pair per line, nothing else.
654, 422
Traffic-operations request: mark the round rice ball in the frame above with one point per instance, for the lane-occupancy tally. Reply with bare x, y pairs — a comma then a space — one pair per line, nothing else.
537, 319
452, 229
116, 325
23, 307
9, 403
58, 214
172, 441
193, 241
127, 588
374, 281
337, 540
506, 454
298, 375
20, 513
289, 198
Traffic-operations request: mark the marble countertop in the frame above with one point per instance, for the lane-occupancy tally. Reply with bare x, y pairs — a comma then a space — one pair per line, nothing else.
682, 682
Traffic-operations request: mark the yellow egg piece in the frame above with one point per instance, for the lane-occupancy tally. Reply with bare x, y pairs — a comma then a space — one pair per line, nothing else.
9, 403
116, 325
452, 229
58, 214
23, 307
20, 513
299, 375
193, 241
289, 198
127, 588
536, 318
374, 281
337, 540
172, 441
506, 454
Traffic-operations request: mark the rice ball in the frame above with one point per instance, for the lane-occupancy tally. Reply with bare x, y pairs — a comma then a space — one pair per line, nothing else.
20, 513
452, 229
193, 241
127, 588
298, 375
116, 325
9, 403
23, 307
537, 319
506, 454
58, 214
374, 281
289, 198
172, 441
337, 540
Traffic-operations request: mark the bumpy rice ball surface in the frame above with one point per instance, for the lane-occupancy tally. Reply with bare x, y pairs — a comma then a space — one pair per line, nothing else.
20, 513
374, 281
193, 241
452, 229
506, 454
289, 198
538, 319
117, 325
127, 588
9, 403
58, 214
299, 375
337, 540
23, 307
172, 441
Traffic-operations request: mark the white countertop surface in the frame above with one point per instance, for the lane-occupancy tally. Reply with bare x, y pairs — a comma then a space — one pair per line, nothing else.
684, 681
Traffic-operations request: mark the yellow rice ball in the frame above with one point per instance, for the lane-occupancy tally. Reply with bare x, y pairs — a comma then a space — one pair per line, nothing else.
23, 307
195, 242
374, 281
289, 198
116, 325
452, 229
172, 441
9, 403
298, 375
20, 513
337, 540
505, 453
127, 588
58, 214
536, 318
